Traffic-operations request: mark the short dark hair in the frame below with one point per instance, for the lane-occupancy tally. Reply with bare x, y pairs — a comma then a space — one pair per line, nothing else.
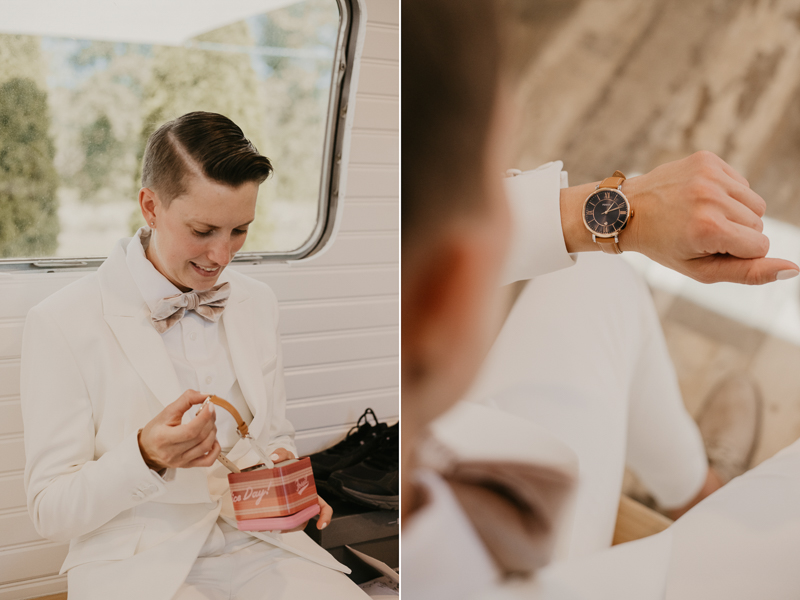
200, 143
452, 57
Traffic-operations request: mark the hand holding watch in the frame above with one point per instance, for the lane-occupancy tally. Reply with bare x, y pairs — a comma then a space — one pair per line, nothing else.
697, 216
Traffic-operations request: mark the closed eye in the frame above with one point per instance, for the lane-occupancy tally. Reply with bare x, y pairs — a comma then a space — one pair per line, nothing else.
210, 231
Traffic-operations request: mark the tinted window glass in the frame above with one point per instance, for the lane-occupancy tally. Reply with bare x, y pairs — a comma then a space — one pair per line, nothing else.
79, 95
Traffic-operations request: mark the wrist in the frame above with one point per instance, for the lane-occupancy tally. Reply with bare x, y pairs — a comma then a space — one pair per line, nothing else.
629, 237
576, 237
148, 460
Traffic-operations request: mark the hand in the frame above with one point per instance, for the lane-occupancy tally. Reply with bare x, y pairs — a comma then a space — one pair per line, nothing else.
325, 514
325, 511
699, 217
280, 455
168, 443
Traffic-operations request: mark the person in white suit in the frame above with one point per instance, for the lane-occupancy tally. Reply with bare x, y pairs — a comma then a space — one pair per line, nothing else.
485, 494
119, 462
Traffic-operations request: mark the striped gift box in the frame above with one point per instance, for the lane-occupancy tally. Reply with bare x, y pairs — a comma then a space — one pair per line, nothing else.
281, 491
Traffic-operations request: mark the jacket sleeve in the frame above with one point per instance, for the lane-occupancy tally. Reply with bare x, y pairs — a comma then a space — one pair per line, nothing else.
70, 491
537, 239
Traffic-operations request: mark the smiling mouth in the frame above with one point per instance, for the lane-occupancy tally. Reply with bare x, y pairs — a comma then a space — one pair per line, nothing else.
206, 269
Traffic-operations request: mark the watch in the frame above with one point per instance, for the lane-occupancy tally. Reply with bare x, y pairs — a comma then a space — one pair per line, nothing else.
606, 212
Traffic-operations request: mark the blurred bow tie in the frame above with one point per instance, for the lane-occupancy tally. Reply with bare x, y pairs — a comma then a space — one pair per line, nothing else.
209, 304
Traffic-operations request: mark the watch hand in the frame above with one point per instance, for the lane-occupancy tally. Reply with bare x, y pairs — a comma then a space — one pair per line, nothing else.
610, 208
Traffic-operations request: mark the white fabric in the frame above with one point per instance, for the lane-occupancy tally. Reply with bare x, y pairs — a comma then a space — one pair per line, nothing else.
133, 534
263, 572
740, 543
582, 354
443, 557
537, 240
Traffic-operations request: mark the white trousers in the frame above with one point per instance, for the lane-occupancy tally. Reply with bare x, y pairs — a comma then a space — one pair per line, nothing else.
582, 353
232, 566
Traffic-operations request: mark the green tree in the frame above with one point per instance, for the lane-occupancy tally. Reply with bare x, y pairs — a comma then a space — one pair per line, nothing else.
187, 79
28, 179
298, 90
102, 150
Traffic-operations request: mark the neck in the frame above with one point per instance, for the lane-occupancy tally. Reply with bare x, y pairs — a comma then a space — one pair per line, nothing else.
152, 256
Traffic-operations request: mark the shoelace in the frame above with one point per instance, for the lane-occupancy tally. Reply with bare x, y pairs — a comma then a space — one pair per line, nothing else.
386, 457
351, 440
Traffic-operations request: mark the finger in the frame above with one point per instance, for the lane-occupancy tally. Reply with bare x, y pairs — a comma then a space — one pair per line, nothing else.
200, 449
184, 402
756, 271
741, 214
199, 426
741, 241
325, 514
206, 460
184, 438
280, 455
733, 173
746, 196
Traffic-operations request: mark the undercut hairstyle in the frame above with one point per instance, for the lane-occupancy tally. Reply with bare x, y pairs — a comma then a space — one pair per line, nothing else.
451, 66
200, 144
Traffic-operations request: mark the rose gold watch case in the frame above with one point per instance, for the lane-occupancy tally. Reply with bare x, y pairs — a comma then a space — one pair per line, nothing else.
624, 225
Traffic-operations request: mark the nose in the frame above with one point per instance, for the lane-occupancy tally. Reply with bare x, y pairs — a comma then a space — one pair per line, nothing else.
220, 251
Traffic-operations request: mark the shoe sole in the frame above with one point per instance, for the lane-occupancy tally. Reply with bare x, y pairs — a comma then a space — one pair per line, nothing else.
387, 502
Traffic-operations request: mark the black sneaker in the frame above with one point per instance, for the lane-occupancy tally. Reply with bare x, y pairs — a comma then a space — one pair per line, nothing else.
374, 481
362, 439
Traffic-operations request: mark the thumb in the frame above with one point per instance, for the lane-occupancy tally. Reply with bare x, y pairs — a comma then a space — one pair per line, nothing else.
753, 271
189, 398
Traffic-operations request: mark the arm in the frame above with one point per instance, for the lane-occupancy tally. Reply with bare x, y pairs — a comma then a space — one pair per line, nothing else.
70, 491
697, 216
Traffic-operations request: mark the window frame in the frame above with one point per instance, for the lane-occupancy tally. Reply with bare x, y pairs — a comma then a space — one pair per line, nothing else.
328, 199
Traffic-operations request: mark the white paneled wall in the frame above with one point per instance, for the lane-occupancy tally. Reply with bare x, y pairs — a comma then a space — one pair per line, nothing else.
339, 313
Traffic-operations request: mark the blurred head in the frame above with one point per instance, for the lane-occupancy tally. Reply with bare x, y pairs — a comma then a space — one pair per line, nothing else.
456, 124
200, 179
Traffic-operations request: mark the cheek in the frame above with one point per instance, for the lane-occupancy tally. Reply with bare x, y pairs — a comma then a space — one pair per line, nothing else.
238, 242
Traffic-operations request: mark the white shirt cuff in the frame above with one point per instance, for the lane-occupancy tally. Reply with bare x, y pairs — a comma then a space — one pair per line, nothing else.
537, 240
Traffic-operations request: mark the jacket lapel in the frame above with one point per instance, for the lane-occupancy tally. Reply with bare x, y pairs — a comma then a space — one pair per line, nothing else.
128, 316
238, 321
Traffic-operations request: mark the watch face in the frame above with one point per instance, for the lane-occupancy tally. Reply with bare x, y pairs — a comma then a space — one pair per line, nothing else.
605, 212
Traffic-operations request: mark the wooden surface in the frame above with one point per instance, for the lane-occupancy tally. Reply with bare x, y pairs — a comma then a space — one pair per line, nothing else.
636, 521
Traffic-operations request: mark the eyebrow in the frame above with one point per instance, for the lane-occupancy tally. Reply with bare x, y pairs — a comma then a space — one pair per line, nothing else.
201, 224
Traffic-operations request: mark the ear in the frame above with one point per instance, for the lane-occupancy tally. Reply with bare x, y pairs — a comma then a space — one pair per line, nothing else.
149, 202
447, 312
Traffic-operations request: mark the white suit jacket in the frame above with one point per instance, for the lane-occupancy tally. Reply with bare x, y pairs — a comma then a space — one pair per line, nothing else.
95, 371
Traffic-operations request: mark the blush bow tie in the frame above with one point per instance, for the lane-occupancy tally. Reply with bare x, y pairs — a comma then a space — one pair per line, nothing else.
209, 304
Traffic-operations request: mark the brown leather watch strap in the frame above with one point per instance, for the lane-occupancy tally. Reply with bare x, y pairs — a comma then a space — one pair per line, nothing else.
614, 181
608, 245
240, 424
